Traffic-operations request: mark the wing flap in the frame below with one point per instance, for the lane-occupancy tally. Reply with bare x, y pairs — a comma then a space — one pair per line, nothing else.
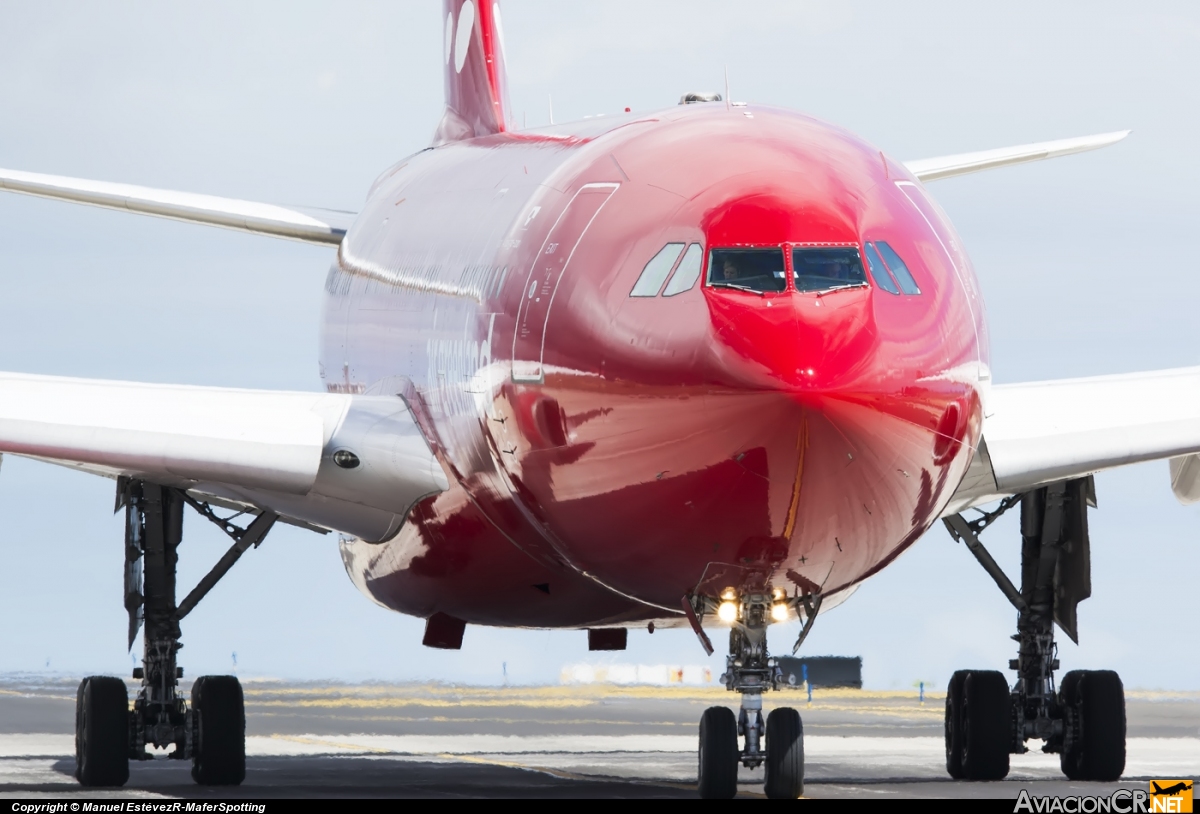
326, 227
948, 166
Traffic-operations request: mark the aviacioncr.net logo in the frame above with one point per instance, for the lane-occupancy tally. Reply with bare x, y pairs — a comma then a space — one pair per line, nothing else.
1121, 801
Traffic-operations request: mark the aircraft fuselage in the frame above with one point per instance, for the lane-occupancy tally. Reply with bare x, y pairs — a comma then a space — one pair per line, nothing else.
611, 453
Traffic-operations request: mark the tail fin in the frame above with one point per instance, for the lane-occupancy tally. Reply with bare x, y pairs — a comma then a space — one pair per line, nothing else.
476, 81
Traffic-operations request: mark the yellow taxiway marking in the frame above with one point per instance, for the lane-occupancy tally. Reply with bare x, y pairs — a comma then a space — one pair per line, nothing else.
448, 719
376, 703
20, 694
351, 747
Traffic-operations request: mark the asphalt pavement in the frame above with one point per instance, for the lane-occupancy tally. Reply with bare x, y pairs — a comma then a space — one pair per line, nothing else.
429, 740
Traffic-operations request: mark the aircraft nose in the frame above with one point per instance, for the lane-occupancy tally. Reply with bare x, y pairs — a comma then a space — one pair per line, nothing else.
795, 342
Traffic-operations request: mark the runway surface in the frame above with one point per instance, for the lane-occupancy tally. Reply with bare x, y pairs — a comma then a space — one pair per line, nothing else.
330, 740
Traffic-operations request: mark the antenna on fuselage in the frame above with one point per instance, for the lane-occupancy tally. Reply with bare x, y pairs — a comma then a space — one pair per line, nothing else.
727, 86
550, 98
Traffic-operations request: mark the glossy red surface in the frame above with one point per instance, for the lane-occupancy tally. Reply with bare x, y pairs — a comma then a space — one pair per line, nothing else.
609, 453
476, 86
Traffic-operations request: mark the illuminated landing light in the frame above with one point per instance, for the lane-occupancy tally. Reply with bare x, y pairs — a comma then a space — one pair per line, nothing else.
727, 611
779, 612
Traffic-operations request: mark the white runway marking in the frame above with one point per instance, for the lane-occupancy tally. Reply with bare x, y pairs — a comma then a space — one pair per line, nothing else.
827, 756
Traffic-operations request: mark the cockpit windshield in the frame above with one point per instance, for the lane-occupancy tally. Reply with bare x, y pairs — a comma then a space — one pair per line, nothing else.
758, 270
825, 268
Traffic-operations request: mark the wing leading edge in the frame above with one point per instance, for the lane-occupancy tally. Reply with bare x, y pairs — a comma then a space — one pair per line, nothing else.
1039, 432
320, 226
272, 450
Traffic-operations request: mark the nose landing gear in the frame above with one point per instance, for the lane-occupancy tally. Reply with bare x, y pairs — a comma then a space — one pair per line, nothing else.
750, 671
211, 731
1084, 720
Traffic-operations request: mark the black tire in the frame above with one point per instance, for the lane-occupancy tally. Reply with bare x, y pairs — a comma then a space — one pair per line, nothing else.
219, 746
953, 724
719, 755
1094, 703
102, 732
986, 718
785, 755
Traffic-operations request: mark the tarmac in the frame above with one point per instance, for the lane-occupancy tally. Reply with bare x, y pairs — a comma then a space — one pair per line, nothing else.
316, 740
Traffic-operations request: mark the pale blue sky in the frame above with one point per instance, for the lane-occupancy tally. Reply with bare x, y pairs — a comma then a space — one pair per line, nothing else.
1087, 263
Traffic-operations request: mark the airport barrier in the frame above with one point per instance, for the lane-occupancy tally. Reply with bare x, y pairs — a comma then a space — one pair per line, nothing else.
654, 674
822, 671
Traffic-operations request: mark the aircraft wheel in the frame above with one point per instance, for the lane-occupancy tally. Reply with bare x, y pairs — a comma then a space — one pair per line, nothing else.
785, 755
719, 755
985, 719
953, 724
1094, 703
102, 732
219, 745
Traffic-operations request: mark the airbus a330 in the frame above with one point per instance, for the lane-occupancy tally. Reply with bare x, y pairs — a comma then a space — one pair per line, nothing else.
710, 366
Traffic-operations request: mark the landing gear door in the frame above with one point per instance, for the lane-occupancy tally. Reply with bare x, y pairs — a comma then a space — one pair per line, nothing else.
529, 339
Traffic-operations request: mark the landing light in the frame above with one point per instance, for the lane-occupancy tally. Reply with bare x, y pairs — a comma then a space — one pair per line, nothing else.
727, 611
779, 612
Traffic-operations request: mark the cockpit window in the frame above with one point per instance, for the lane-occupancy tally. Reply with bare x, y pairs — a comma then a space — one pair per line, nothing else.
687, 273
758, 270
900, 271
827, 268
656, 271
879, 272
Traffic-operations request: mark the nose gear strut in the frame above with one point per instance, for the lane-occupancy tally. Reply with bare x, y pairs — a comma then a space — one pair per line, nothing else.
750, 671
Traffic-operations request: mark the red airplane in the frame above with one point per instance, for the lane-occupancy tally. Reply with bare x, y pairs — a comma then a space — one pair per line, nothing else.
713, 365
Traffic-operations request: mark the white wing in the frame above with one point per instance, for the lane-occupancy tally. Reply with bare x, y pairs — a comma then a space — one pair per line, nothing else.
1041, 432
931, 169
272, 450
307, 225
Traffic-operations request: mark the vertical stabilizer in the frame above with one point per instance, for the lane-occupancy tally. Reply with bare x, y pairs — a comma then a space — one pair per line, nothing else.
473, 56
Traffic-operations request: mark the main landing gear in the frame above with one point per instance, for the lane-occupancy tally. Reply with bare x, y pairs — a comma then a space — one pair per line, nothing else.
1084, 721
750, 671
211, 731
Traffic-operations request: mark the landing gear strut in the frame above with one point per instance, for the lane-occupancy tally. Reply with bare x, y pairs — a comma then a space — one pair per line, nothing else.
211, 730
1084, 720
750, 671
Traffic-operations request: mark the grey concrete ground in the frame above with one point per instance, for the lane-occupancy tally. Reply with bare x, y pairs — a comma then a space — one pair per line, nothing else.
314, 740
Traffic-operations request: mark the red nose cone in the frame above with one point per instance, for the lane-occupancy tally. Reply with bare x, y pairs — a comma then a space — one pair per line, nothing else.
801, 343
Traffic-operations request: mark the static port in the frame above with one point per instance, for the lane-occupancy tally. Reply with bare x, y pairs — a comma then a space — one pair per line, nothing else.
346, 459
